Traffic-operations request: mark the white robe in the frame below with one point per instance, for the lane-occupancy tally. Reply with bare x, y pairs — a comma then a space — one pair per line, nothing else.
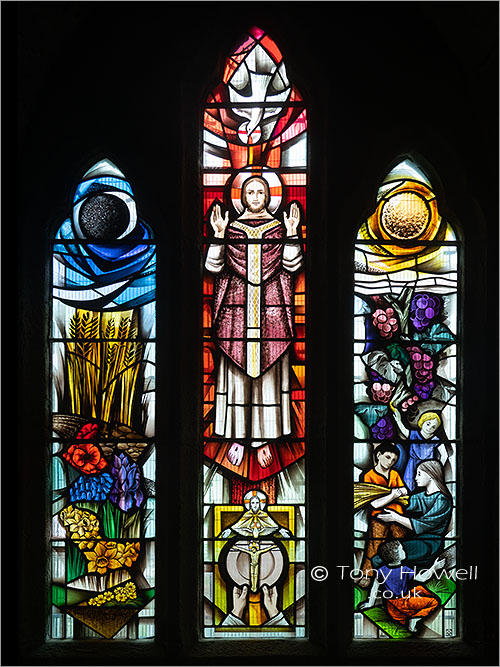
256, 408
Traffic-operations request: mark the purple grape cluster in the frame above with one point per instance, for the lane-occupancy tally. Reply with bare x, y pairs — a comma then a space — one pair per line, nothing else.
423, 308
424, 390
383, 429
422, 365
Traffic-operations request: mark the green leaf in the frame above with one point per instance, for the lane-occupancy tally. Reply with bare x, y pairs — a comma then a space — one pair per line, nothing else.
146, 594
381, 618
370, 413
435, 339
132, 525
360, 595
58, 595
110, 520
443, 588
78, 595
398, 352
76, 562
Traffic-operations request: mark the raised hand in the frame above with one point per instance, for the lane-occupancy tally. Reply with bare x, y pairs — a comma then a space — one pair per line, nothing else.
292, 220
218, 222
239, 600
438, 564
270, 598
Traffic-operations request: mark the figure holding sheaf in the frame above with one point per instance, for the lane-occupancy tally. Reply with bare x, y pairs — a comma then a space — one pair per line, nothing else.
382, 475
426, 518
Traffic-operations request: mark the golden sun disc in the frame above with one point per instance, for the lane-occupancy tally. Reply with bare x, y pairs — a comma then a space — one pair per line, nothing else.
405, 216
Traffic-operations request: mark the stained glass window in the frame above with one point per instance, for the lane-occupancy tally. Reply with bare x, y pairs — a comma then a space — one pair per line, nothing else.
255, 179
406, 414
102, 451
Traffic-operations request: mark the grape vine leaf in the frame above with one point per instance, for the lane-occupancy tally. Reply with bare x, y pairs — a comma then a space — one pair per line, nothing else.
398, 352
369, 413
444, 389
437, 338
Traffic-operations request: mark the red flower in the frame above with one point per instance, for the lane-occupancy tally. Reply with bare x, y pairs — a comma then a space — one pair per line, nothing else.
86, 457
87, 432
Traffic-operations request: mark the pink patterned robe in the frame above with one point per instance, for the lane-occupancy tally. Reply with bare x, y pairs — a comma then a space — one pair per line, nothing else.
253, 327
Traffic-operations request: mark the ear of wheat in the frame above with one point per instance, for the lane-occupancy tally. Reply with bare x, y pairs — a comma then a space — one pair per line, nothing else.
364, 493
122, 363
102, 374
84, 362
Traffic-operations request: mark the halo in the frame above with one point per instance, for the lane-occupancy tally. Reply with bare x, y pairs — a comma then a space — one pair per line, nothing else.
273, 180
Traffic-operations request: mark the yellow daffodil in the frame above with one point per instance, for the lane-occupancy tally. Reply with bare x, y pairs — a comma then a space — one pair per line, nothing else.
127, 553
85, 544
102, 558
81, 525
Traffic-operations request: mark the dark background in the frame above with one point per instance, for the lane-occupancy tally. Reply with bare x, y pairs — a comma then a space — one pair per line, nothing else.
126, 80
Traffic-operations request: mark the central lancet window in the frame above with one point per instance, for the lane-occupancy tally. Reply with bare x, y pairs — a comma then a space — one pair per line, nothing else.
255, 179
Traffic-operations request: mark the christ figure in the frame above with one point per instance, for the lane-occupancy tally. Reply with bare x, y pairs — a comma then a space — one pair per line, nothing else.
254, 551
254, 259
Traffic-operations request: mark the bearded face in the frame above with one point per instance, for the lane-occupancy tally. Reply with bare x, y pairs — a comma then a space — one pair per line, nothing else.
255, 195
254, 504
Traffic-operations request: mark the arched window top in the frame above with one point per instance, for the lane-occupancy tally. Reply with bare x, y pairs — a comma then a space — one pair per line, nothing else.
112, 254
255, 73
255, 116
406, 228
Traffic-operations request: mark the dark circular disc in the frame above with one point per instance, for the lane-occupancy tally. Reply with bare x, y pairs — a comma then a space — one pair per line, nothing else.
103, 216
